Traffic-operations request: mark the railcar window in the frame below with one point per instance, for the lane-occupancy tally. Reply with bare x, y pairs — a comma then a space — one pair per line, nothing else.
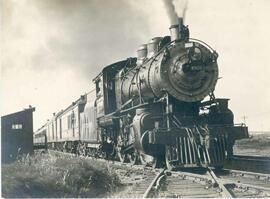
71, 121
17, 126
97, 86
52, 130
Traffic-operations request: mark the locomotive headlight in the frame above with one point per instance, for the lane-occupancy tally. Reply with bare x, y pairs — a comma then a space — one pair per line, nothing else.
189, 64
179, 65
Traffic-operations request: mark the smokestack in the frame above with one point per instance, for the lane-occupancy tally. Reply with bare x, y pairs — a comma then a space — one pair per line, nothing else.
176, 31
180, 21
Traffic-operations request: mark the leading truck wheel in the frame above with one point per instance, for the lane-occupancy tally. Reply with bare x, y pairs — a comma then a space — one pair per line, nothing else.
146, 159
170, 157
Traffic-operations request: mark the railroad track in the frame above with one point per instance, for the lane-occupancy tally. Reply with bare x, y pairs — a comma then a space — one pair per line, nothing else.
182, 184
249, 163
244, 177
246, 184
232, 184
149, 187
162, 183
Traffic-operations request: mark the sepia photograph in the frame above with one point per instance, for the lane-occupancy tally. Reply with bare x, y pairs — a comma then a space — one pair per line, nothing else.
135, 98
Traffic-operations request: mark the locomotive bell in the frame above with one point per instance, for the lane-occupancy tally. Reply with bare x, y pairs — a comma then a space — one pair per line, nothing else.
141, 54
152, 46
179, 31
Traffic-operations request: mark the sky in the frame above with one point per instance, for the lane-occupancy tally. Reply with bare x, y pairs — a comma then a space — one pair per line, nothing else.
52, 49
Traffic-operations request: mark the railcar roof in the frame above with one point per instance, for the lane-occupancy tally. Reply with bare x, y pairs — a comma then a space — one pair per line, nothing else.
73, 104
30, 109
43, 126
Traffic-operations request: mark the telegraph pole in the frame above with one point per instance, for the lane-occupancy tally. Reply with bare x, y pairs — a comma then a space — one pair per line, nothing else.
244, 118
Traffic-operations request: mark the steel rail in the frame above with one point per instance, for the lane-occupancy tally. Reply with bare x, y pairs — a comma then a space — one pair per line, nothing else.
250, 158
150, 187
245, 185
186, 184
225, 193
248, 173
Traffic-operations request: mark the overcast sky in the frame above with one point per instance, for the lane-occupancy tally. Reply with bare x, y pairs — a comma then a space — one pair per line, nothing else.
52, 49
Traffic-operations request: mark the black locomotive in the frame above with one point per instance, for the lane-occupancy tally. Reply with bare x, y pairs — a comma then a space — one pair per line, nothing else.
151, 109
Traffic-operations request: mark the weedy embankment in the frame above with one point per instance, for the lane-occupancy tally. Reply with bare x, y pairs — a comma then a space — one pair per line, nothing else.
57, 176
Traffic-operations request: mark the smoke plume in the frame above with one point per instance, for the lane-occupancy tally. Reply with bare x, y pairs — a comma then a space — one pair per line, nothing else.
175, 9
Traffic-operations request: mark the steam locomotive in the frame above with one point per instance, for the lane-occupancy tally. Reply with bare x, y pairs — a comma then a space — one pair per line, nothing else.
152, 109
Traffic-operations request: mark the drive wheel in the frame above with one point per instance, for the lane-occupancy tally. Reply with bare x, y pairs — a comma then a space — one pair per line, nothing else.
122, 156
170, 158
133, 158
101, 155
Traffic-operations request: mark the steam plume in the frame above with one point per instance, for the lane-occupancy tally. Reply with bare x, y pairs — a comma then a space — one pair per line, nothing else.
176, 9
185, 9
170, 9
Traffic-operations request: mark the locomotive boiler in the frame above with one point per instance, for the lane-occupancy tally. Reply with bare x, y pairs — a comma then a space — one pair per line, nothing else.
153, 109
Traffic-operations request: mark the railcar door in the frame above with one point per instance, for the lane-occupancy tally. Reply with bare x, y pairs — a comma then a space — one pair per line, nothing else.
99, 97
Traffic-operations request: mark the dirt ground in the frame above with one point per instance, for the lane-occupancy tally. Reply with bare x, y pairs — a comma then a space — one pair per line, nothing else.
257, 144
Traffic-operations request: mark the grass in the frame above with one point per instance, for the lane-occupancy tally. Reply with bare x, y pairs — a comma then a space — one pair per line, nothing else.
257, 144
256, 141
52, 176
